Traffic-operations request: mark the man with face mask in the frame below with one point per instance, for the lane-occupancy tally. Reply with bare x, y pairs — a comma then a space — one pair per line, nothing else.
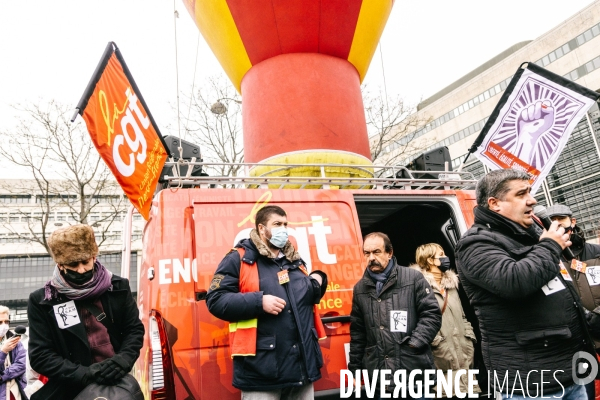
263, 289
579, 247
582, 269
84, 325
394, 317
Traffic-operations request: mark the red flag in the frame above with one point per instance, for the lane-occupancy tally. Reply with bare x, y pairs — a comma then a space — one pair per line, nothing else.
123, 130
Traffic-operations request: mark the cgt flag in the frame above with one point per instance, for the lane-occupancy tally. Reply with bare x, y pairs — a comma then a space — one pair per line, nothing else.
122, 129
532, 122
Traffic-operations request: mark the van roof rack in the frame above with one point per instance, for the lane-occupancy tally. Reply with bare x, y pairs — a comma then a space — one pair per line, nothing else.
382, 177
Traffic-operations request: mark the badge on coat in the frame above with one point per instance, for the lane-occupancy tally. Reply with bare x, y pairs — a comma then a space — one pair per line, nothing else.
216, 282
398, 321
578, 266
66, 314
283, 276
553, 286
592, 273
564, 272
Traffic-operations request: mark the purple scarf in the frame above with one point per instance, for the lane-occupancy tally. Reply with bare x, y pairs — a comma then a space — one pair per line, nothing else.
92, 289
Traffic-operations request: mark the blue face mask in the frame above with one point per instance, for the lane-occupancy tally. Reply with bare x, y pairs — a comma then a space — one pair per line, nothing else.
279, 237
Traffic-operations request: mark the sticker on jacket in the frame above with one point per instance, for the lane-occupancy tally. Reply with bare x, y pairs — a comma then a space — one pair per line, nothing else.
66, 314
555, 285
578, 266
592, 273
398, 321
564, 272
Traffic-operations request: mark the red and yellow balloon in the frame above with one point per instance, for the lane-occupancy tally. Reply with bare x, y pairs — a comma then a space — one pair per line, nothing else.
298, 65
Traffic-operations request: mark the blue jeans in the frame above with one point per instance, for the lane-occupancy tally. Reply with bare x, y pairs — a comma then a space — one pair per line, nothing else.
573, 392
304, 392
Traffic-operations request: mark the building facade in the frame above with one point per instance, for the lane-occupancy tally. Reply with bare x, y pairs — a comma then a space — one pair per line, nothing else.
28, 215
458, 113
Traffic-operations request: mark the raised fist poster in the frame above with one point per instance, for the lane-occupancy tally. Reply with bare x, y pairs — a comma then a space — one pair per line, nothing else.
532, 122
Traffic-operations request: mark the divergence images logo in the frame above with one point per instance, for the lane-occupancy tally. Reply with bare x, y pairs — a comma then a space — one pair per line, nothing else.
584, 367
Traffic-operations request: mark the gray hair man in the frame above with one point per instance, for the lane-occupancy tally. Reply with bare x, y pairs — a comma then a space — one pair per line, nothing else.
530, 319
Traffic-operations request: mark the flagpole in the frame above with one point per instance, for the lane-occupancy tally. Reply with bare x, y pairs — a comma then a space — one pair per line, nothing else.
462, 164
95, 78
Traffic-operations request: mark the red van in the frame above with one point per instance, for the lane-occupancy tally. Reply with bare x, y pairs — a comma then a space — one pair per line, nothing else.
191, 228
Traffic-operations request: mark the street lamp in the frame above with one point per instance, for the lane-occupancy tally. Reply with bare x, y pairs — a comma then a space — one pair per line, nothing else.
220, 108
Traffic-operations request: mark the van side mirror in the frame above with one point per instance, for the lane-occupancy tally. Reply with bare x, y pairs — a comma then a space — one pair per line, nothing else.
201, 295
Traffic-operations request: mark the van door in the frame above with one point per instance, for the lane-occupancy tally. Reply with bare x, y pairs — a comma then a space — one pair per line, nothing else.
413, 220
324, 228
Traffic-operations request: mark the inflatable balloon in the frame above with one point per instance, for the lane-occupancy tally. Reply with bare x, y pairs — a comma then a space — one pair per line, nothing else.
298, 65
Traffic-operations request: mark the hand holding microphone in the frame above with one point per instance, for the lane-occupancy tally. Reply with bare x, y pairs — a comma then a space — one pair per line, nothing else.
554, 231
20, 330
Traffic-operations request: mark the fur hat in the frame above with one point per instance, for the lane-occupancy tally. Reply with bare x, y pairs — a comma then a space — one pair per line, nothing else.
72, 243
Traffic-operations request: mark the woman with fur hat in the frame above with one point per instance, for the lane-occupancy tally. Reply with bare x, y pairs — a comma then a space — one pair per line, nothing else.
84, 325
452, 347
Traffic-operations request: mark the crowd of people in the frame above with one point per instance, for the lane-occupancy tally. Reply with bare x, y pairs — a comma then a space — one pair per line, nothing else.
533, 291
535, 304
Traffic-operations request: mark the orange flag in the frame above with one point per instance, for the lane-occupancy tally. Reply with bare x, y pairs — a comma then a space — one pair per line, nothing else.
123, 130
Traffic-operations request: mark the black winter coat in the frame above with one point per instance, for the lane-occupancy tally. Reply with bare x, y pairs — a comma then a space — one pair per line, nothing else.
590, 251
63, 355
374, 343
287, 348
587, 285
585, 251
504, 268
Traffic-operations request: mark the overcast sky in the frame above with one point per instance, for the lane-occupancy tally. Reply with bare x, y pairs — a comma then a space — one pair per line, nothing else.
49, 49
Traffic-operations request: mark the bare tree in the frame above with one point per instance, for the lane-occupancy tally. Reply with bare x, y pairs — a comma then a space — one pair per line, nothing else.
68, 176
393, 128
212, 118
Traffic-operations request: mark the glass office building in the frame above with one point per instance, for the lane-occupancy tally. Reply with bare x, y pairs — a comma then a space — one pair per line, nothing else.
458, 113
575, 178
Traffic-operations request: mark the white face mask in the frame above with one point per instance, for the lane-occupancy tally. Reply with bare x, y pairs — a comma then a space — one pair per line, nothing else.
279, 237
3, 330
